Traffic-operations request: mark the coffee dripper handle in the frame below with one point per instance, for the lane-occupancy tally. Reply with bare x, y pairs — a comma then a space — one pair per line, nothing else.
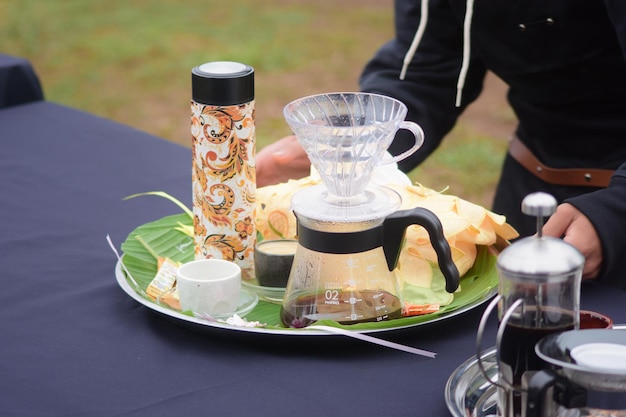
417, 132
394, 230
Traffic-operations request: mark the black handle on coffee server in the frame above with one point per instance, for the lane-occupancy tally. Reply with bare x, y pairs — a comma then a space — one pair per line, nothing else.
394, 230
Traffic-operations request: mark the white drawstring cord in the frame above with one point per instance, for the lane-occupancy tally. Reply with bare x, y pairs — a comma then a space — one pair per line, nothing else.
467, 24
421, 28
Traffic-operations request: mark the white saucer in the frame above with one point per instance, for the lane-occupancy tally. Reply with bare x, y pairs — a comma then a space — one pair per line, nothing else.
600, 356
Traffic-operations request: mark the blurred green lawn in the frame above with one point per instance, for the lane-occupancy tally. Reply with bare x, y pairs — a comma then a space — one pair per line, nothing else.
131, 62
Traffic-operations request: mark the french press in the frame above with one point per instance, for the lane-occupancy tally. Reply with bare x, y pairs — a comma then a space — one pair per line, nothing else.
350, 231
538, 295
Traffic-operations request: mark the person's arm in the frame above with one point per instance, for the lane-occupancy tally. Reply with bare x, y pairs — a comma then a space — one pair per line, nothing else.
595, 223
429, 87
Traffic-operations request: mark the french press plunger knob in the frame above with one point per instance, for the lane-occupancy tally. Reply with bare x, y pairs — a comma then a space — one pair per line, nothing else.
540, 205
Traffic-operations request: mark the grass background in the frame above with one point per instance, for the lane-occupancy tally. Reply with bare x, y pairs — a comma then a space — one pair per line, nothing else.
131, 62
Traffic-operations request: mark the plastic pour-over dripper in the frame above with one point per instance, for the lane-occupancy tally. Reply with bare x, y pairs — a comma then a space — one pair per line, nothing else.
346, 136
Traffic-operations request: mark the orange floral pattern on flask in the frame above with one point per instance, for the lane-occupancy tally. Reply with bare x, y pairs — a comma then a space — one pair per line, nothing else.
224, 182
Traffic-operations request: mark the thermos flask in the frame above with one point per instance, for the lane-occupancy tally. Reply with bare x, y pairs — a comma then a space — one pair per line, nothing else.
223, 149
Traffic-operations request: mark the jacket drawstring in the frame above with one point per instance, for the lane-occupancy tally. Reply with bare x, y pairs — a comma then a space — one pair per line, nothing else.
467, 25
421, 28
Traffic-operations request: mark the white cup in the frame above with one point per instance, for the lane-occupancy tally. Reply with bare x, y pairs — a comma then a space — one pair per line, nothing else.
209, 286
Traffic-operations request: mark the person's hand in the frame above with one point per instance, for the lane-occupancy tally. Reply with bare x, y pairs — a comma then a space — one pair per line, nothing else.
575, 228
282, 160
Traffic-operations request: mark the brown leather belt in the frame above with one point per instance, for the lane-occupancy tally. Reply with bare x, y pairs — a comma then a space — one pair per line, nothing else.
560, 176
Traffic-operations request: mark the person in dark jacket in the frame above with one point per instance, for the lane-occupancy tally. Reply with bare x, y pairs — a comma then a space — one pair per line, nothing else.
564, 62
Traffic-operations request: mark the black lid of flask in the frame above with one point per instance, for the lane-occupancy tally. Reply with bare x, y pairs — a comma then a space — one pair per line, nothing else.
222, 83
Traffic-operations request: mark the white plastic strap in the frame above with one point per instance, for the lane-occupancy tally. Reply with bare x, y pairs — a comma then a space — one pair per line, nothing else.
381, 342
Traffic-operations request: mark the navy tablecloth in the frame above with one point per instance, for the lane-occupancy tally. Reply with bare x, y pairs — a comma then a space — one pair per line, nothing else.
72, 343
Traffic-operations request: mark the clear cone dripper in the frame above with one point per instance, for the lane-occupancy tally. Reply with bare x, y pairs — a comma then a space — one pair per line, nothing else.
346, 135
